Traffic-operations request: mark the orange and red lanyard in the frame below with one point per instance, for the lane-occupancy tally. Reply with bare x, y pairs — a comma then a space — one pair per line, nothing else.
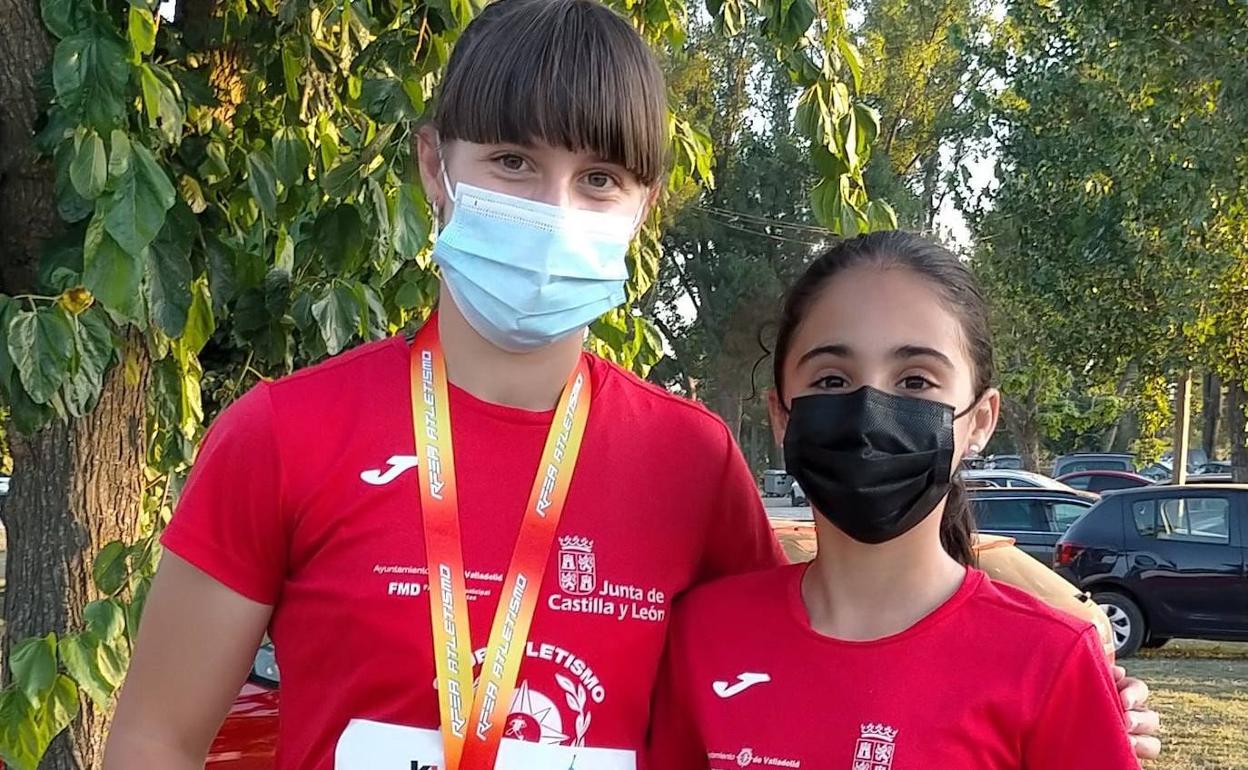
472, 720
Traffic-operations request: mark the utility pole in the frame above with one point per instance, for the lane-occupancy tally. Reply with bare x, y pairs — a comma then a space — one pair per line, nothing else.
1182, 426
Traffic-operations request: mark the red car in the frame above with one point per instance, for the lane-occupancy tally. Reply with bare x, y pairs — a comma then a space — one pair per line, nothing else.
248, 738
1104, 481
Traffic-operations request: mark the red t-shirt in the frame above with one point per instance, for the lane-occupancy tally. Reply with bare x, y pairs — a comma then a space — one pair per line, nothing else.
991, 680
304, 496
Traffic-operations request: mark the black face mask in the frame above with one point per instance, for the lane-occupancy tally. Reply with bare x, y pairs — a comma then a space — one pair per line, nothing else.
873, 463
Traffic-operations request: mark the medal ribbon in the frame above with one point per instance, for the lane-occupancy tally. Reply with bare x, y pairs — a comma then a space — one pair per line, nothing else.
472, 723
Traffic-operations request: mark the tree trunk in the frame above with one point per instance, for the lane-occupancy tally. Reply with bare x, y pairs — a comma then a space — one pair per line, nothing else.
1211, 397
1237, 428
727, 404
75, 488
27, 213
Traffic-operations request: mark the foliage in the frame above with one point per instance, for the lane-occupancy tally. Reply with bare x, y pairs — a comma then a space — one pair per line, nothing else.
237, 193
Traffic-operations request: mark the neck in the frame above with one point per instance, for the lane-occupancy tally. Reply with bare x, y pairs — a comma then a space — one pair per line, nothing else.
532, 380
860, 592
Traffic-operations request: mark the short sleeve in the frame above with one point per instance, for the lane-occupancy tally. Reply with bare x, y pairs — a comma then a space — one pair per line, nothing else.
674, 742
229, 520
1082, 716
740, 538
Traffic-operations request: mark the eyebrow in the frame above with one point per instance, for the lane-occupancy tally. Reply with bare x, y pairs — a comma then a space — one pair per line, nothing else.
902, 353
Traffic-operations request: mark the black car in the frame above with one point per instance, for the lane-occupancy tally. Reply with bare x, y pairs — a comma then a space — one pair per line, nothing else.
1164, 561
1035, 518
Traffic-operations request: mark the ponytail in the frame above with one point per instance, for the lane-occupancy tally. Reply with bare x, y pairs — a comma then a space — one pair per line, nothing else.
957, 528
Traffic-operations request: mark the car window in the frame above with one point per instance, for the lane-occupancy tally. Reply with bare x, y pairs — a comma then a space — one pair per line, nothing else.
1189, 519
1106, 483
1080, 482
1065, 514
1021, 483
1010, 515
1093, 465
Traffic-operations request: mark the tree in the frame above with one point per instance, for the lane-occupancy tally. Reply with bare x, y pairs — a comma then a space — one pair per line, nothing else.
1121, 163
190, 204
928, 88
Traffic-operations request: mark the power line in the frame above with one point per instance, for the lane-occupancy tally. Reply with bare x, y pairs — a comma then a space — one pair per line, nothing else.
772, 236
715, 211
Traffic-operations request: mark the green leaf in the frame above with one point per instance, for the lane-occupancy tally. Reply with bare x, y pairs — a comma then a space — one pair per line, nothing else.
33, 663
262, 181
337, 312
89, 169
90, 73
41, 344
852, 57
136, 210
825, 202
199, 320
411, 220
291, 155
160, 102
119, 155
109, 569
291, 69
168, 270
61, 17
105, 618
339, 234
881, 216
94, 353
80, 656
385, 101
111, 273
868, 127
142, 30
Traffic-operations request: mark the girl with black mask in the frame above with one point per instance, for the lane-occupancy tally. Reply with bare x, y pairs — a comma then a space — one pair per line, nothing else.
890, 651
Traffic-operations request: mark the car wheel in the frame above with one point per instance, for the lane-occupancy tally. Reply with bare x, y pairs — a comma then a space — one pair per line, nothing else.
1125, 619
1155, 641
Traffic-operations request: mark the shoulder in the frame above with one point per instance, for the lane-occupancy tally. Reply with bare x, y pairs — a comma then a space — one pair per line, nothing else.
1026, 617
354, 369
629, 395
729, 599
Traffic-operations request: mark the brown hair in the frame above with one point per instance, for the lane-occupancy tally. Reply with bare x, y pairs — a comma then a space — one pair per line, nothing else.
960, 292
570, 73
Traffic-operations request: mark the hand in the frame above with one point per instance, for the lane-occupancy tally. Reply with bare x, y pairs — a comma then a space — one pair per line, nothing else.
1143, 724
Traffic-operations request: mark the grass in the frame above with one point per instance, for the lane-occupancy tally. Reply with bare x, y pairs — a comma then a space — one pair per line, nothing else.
1201, 691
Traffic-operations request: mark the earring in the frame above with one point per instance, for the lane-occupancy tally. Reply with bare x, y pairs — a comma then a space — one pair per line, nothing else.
975, 449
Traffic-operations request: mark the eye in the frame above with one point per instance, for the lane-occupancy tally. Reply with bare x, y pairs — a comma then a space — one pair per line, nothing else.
916, 382
601, 180
830, 382
511, 162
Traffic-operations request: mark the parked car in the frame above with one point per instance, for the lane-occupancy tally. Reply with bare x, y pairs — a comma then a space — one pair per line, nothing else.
1104, 481
1093, 461
1203, 478
1005, 462
248, 736
1164, 561
797, 497
1010, 479
1216, 466
1034, 518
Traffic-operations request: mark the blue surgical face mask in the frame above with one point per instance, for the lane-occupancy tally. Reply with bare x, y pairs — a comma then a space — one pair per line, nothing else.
526, 274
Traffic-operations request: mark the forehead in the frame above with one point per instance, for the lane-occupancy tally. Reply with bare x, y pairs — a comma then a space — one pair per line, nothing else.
874, 310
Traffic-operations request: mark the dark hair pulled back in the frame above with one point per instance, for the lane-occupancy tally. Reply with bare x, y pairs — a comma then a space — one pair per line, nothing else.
957, 288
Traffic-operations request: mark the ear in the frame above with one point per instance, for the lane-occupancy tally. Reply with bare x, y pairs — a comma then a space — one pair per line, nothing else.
779, 416
984, 418
430, 162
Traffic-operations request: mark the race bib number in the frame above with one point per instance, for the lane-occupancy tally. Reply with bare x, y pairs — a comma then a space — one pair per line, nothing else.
369, 745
